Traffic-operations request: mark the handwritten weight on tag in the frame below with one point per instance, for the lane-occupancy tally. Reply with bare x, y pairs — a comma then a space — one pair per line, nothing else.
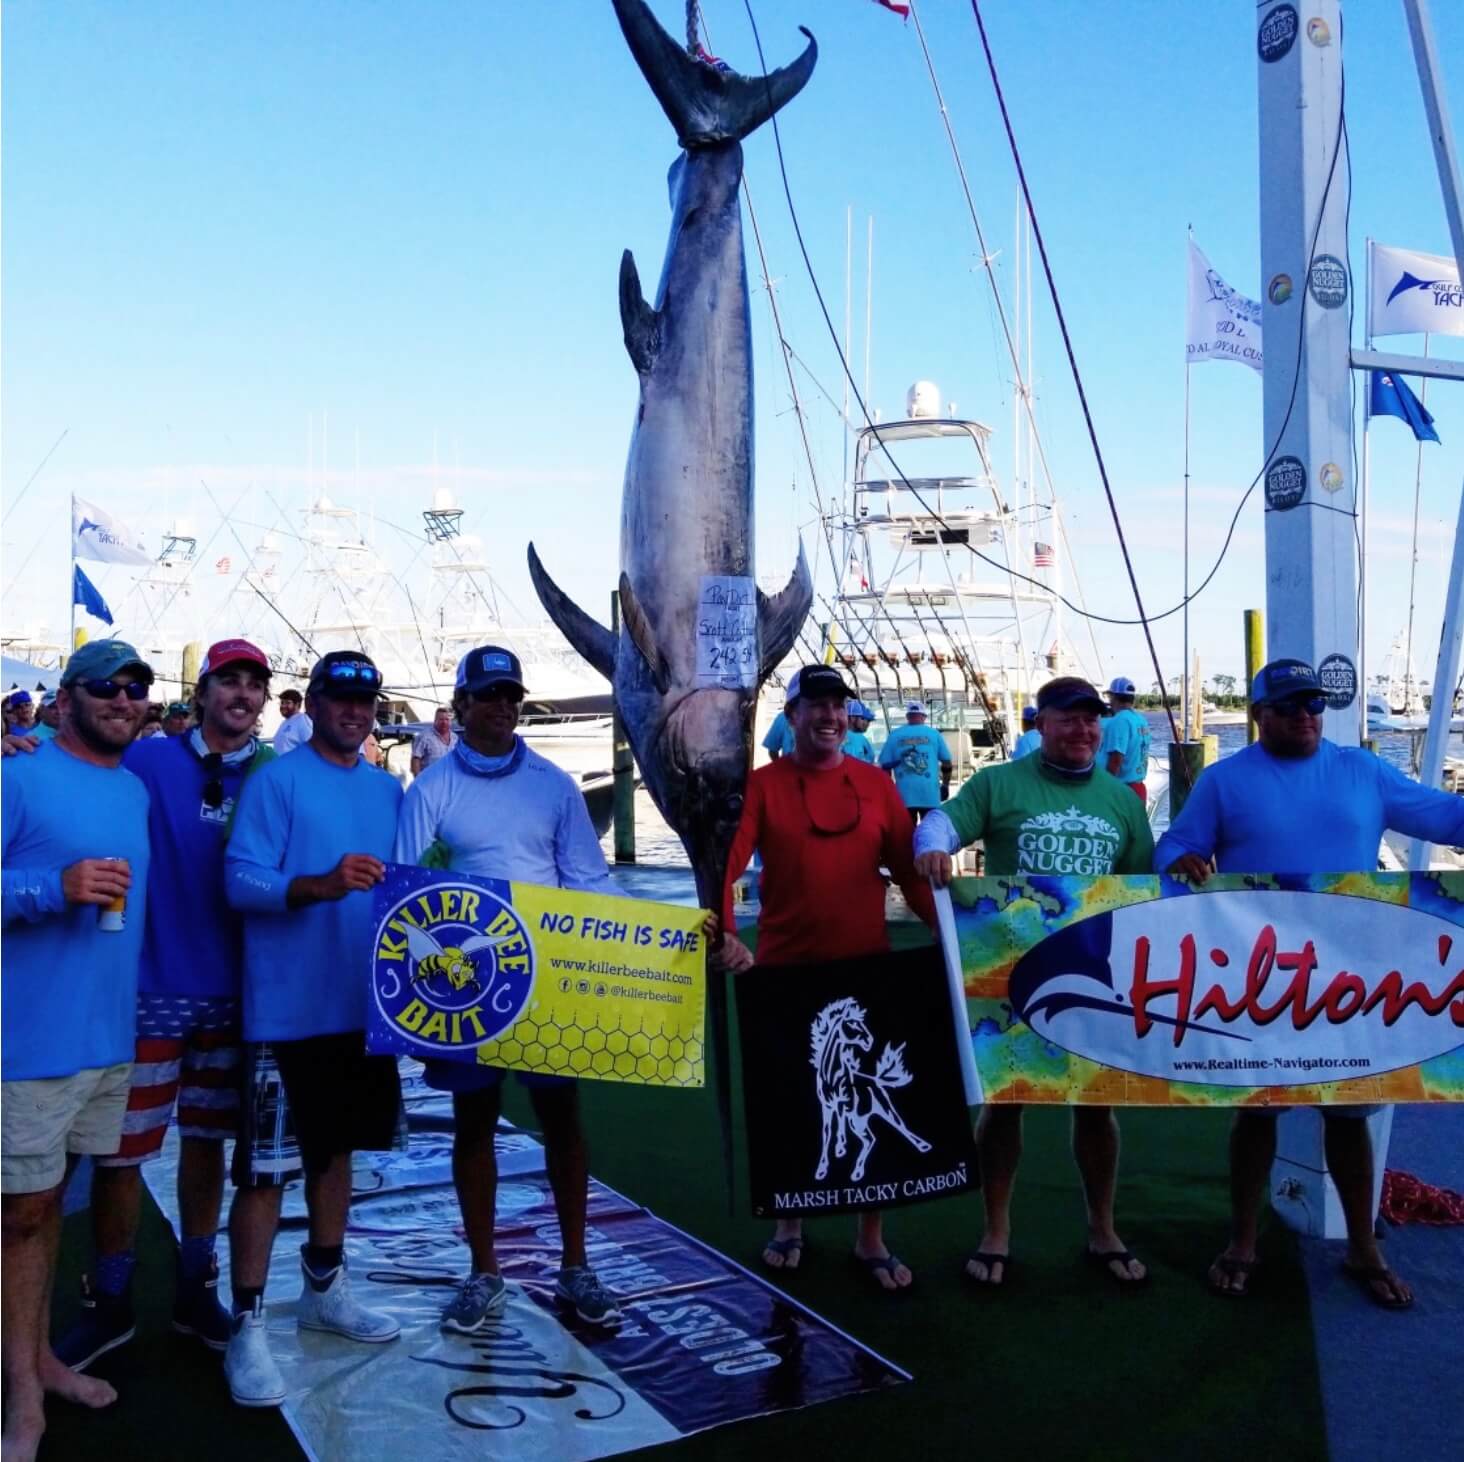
726, 632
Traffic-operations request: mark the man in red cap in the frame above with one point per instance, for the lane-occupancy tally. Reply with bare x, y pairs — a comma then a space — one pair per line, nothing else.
189, 1050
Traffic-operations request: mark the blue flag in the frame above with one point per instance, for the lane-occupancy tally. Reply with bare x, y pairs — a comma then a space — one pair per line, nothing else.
84, 592
1392, 397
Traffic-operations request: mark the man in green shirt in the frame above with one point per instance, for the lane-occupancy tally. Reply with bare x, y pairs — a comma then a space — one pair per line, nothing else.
1054, 812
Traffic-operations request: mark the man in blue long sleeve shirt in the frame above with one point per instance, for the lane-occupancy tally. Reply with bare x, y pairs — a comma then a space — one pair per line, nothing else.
502, 811
310, 840
1296, 803
74, 849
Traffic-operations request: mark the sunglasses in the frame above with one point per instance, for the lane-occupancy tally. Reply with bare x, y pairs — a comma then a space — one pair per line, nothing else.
109, 690
819, 830
353, 673
1313, 705
213, 789
500, 692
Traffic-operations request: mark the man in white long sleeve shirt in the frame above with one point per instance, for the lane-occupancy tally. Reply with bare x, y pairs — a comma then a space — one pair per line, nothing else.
503, 811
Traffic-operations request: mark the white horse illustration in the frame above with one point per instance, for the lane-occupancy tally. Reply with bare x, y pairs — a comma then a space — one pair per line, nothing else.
851, 1097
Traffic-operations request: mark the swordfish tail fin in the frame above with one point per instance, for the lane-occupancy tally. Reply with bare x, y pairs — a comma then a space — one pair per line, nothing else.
707, 107
593, 641
782, 616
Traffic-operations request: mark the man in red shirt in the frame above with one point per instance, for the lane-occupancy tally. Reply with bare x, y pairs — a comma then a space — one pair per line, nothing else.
824, 823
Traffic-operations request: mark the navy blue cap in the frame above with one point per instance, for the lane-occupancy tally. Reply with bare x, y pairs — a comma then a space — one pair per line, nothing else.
1029, 713
1121, 685
1066, 692
345, 673
816, 680
1281, 679
489, 665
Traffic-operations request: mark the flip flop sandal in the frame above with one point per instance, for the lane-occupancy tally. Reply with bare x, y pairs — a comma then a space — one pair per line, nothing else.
982, 1257
1122, 1256
1232, 1269
1365, 1276
785, 1247
888, 1264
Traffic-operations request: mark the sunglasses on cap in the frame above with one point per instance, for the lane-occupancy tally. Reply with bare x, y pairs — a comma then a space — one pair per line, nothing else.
109, 690
350, 675
1313, 705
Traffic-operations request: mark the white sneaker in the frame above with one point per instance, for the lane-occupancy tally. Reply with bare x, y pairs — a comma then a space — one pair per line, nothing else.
254, 1378
333, 1309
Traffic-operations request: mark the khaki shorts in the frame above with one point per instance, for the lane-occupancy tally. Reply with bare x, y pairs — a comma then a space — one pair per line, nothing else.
46, 1119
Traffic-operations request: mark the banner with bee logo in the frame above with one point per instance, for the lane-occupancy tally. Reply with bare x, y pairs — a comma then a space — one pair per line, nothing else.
537, 979
852, 1085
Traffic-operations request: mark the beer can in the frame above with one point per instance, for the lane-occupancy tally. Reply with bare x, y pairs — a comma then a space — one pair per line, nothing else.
112, 917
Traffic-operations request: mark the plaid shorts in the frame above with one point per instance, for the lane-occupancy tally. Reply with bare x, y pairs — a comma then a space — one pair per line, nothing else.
267, 1154
188, 1057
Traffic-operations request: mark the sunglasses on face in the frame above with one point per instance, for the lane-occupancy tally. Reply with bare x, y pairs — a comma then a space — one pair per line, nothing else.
1312, 705
511, 693
109, 690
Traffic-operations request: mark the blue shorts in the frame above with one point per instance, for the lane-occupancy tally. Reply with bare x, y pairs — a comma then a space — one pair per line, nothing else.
467, 1076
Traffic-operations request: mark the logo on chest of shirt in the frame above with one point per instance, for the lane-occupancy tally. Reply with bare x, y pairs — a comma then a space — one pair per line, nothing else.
1067, 842
452, 965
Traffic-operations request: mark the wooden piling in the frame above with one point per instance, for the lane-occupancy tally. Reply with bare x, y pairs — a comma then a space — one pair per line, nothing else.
1255, 657
1187, 759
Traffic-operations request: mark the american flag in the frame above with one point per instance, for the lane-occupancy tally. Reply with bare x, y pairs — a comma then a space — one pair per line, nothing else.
1042, 556
223, 566
903, 11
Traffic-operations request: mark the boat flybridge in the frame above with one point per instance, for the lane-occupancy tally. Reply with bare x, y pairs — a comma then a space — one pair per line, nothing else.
918, 614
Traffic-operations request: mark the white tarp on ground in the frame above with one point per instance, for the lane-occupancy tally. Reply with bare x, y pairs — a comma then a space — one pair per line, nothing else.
704, 1342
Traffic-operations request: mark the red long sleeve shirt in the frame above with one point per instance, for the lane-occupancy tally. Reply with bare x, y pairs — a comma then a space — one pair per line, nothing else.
823, 836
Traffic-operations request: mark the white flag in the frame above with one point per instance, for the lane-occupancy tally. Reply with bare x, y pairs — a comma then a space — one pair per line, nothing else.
1414, 293
1222, 324
98, 535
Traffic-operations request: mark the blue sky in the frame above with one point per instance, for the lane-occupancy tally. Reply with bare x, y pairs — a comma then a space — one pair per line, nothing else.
231, 228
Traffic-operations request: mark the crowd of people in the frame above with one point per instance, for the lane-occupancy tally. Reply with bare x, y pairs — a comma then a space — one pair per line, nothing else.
208, 897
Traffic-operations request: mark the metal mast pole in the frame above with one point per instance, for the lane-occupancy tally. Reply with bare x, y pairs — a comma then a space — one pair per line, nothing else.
1311, 565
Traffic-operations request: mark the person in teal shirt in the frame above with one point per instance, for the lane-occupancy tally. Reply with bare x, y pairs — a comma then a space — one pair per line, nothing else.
919, 760
1031, 737
1124, 750
779, 740
856, 743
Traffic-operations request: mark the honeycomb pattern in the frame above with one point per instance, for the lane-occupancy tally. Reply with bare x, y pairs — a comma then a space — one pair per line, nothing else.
631, 1049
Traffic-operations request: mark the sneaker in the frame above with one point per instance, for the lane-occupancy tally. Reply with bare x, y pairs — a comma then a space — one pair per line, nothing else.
333, 1309
197, 1311
580, 1287
106, 1321
480, 1300
254, 1378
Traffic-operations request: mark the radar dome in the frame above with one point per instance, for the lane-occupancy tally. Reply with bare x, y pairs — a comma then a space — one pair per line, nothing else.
922, 400
443, 501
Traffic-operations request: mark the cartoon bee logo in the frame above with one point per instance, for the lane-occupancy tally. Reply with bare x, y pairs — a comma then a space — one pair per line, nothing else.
453, 962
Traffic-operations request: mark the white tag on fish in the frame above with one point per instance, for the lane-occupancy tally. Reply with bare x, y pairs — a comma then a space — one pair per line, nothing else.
726, 632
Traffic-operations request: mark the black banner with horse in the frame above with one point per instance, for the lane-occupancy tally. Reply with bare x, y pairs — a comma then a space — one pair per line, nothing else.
852, 1085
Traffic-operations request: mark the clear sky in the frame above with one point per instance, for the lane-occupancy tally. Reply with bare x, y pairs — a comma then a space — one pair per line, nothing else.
242, 237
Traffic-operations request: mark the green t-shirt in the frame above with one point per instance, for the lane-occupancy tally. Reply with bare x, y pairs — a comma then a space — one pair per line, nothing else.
1033, 821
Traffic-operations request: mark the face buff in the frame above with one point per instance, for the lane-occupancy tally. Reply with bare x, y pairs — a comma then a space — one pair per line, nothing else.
490, 766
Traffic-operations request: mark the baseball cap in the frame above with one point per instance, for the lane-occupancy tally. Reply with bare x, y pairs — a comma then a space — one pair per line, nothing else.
817, 680
1121, 685
1029, 713
178, 708
915, 708
101, 660
233, 652
18, 698
1067, 692
345, 672
858, 708
489, 665
49, 699
1281, 678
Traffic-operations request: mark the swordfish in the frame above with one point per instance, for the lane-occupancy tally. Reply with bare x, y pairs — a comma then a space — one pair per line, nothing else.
698, 636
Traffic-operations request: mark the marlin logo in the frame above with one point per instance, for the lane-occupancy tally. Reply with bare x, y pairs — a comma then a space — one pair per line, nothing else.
87, 523
1412, 281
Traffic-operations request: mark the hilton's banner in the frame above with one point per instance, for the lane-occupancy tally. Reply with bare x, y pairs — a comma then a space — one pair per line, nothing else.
852, 1085
537, 979
1252, 991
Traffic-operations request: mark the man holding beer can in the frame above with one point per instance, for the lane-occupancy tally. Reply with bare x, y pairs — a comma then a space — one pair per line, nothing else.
75, 854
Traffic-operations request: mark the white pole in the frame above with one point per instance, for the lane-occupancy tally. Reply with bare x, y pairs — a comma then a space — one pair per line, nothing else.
868, 308
950, 948
848, 311
1362, 507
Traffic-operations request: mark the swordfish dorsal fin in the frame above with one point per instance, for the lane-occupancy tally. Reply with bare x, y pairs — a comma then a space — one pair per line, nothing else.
781, 617
594, 642
707, 106
641, 323
642, 636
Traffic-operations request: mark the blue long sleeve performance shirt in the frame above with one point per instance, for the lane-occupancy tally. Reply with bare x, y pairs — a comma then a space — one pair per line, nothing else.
306, 969
1325, 813
69, 987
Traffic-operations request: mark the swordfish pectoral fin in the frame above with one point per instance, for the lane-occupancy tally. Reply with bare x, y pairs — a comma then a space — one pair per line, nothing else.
641, 323
593, 641
642, 636
781, 617
707, 107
